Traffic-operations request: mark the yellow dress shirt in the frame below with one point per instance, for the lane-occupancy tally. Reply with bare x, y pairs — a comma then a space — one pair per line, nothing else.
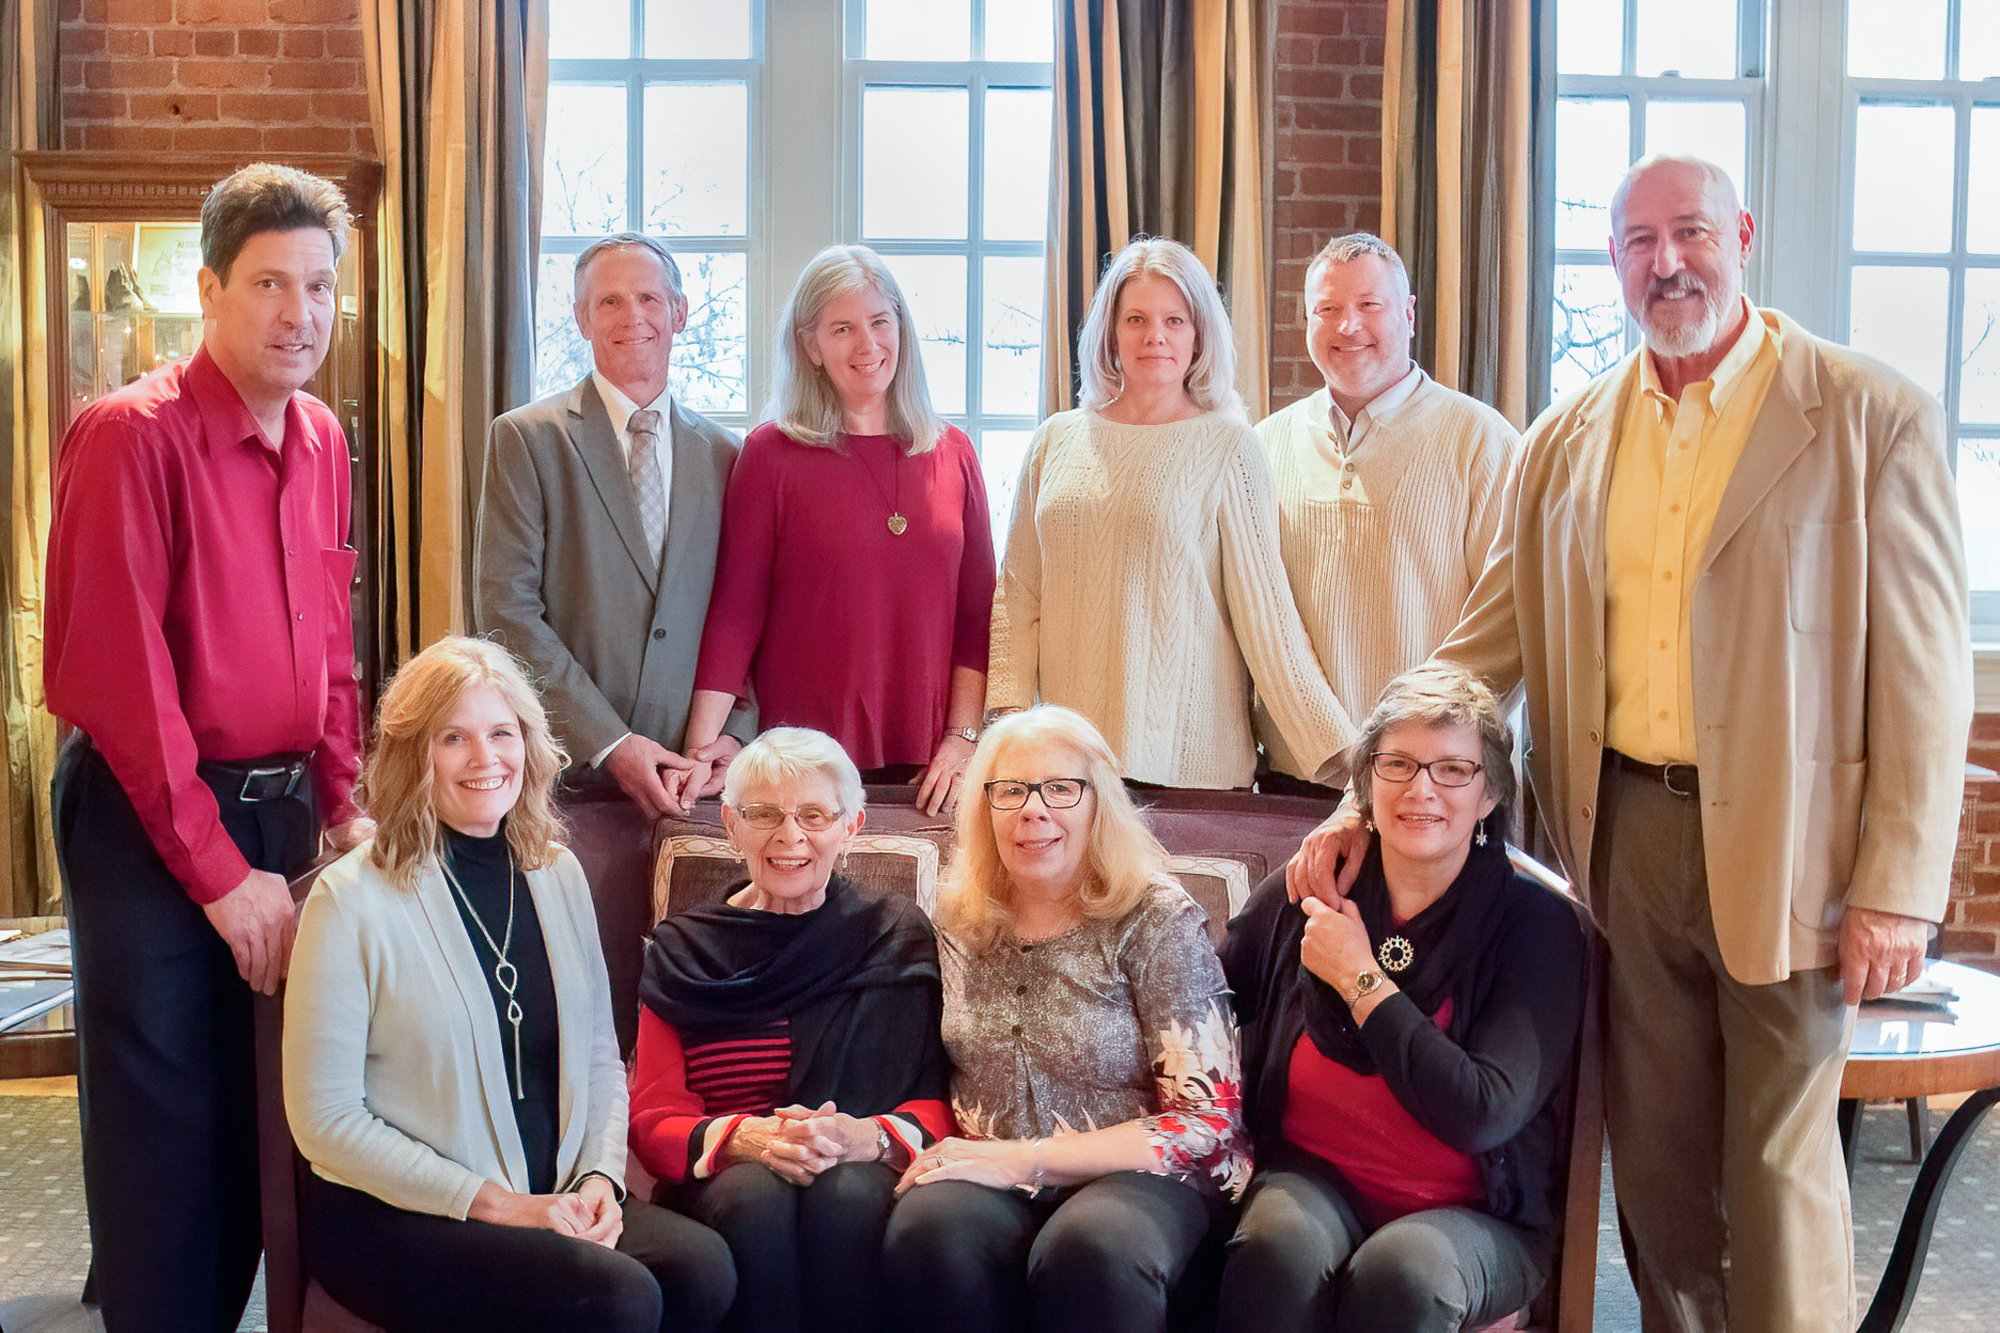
1673, 462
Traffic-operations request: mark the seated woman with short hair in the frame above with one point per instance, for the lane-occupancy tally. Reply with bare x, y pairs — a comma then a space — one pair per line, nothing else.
451, 1072
1404, 1046
1094, 1065
788, 1064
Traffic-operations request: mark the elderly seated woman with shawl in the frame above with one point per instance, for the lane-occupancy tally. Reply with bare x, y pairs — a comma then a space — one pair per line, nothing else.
789, 1065
1403, 1047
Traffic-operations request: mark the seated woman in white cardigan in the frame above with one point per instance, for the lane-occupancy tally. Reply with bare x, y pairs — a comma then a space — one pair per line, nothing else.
1143, 585
450, 1067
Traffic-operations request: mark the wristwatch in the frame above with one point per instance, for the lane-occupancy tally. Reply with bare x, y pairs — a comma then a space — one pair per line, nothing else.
1364, 984
970, 735
882, 1142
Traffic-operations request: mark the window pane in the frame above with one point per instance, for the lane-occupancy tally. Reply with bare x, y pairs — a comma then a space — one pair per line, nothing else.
583, 183
1902, 178
1001, 453
1900, 314
1895, 39
1011, 366
1590, 37
1714, 130
590, 30
1982, 210
1017, 164
562, 357
1978, 493
920, 30
1593, 149
1020, 30
1979, 361
1589, 324
711, 365
913, 147
934, 285
1978, 40
696, 29
1695, 39
697, 159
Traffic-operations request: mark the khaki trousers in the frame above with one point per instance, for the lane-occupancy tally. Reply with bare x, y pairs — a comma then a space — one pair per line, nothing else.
1719, 1097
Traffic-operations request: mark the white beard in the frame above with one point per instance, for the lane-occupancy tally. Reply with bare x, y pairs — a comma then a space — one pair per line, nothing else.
1677, 340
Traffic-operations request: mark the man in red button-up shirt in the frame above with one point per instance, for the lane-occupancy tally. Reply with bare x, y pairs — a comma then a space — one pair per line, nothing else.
199, 639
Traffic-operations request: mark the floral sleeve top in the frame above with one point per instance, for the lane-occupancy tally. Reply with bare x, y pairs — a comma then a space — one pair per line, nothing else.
1108, 1022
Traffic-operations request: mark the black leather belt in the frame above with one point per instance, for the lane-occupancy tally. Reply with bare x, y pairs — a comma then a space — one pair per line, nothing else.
271, 778
1680, 779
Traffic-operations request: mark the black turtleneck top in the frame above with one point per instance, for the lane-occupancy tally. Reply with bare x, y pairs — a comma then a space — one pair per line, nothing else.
481, 868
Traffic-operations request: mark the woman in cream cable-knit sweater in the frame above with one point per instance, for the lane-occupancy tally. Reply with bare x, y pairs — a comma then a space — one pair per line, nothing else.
1142, 584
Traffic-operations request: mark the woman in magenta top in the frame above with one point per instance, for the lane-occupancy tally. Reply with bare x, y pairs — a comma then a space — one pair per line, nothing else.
1404, 1048
854, 586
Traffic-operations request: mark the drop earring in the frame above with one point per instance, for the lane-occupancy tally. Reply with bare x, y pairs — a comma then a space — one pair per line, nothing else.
1479, 834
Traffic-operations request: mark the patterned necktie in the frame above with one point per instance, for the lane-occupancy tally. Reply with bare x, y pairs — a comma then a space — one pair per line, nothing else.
648, 478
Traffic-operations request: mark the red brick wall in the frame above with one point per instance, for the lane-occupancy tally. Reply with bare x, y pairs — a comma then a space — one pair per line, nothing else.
1972, 923
1327, 162
231, 77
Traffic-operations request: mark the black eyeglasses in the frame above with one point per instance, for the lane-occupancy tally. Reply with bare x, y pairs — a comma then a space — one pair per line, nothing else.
1393, 767
1057, 793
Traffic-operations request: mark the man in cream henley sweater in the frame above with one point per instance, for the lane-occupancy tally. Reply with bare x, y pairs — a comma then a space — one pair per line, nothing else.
1388, 487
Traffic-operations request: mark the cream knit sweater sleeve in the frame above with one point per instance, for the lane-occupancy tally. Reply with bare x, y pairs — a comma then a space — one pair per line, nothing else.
1015, 654
1290, 680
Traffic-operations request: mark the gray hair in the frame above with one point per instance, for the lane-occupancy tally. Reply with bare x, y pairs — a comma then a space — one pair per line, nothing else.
786, 754
1346, 249
618, 239
1439, 694
1720, 191
266, 197
1211, 380
802, 400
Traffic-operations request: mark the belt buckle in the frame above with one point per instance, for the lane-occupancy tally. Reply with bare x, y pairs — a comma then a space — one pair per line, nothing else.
1667, 779
289, 771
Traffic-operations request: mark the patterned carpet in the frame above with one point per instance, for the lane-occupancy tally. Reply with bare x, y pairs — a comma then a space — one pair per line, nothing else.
44, 1246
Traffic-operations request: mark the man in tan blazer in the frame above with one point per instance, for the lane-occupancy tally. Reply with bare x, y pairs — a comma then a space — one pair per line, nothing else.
1730, 578
597, 533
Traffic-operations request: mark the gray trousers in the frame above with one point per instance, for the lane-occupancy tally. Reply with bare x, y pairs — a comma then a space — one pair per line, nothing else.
1301, 1261
1719, 1096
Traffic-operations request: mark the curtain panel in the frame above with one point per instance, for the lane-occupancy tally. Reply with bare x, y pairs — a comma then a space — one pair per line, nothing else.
1159, 130
1463, 103
28, 881
458, 91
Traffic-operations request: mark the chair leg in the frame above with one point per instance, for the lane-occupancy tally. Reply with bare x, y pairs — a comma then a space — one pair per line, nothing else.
1918, 1111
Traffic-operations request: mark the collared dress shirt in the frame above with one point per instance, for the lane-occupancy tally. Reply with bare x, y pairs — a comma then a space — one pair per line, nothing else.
1673, 462
198, 602
1344, 436
619, 407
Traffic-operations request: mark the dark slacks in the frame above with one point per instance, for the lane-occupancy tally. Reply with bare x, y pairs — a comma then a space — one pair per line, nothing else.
1301, 1261
1103, 1258
166, 1082
806, 1258
425, 1273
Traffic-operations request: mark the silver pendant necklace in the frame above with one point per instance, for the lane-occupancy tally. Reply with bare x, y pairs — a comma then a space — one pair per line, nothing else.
504, 973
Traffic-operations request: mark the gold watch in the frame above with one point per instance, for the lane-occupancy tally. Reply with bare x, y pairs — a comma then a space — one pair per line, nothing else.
1364, 984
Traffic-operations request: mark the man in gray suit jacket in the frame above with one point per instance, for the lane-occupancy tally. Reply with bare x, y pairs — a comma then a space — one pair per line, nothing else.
598, 529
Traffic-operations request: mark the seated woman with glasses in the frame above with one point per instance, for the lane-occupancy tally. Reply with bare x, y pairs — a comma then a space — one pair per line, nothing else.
1404, 1047
450, 1067
788, 1064
1094, 1065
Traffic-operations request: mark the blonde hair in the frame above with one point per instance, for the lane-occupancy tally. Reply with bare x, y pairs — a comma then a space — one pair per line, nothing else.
1211, 380
786, 754
1438, 694
1122, 859
803, 402
397, 780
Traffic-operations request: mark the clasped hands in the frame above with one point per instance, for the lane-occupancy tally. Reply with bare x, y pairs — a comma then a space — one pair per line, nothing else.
661, 782
589, 1212
799, 1142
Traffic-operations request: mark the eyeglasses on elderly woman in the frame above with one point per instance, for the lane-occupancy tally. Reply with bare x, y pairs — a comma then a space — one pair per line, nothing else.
811, 818
1057, 793
1391, 766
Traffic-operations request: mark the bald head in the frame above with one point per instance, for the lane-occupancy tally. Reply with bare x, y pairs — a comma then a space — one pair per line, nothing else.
1680, 240
1706, 179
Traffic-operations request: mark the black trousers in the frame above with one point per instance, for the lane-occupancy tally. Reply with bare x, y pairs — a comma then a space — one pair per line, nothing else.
806, 1258
166, 1082
429, 1274
1103, 1258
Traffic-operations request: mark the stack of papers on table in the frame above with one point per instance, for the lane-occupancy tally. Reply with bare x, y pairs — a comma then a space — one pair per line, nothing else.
43, 957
